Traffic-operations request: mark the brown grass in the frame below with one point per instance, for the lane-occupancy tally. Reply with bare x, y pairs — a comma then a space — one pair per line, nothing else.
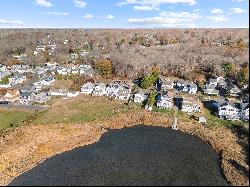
40, 142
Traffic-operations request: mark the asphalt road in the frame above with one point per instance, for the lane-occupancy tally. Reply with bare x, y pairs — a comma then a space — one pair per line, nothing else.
25, 107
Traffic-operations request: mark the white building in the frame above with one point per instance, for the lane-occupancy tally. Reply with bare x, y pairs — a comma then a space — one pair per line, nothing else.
87, 88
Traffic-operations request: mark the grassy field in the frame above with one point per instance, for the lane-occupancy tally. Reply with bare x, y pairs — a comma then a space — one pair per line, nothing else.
80, 109
12, 118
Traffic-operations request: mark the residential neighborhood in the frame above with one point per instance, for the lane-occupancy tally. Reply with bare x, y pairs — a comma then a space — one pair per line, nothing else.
39, 89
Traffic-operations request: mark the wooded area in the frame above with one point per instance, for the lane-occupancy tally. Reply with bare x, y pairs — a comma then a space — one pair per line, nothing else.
193, 54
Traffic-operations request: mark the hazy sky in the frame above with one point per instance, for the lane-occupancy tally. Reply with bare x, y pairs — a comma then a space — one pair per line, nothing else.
124, 13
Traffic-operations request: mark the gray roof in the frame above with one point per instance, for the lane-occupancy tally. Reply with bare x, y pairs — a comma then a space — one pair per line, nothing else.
26, 94
102, 85
212, 80
181, 81
242, 106
140, 93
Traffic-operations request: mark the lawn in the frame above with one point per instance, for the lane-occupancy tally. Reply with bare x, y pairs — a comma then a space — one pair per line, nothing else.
12, 118
214, 120
80, 109
169, 112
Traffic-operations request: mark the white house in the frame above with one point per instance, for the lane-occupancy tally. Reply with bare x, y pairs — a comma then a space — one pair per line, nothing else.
123, 93
99, 90
190, 106
217, 81
17, 78
87, 88
62, 71
167, 85
226, 110
186, 86
232, 90
83, 68
140, 97
25, 98
210, 90
46, 81
74, 70
50, 64
164, 101
41, 97
113, 89
3, 68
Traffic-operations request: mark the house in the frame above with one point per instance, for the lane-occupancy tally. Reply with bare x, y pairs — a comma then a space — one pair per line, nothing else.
73, 94
47, 81
62, 71
74, 70
83, 68
244, 111
164, 101
37, 86
221, 82
113, 89
100, 90
186, 86
27, 88
25, 98
40, 70
89, 72
192, 88
4, 74
180, 84
227, 110
232, 90
167, 85
17, 78
212, 82
217, 81
140, 97
66, 42
42, 97
58, 92
123, 93
12, 95
51, 64
3, 68
41, 48
87, 88
190, 105
164, 84
210, 89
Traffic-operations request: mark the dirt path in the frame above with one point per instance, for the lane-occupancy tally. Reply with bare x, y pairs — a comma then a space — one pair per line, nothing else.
24, 147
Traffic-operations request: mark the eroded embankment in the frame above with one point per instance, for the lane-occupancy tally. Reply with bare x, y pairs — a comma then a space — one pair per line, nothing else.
24, 147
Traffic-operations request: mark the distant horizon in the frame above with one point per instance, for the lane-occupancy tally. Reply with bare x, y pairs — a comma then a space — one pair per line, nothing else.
124, 14
176, 28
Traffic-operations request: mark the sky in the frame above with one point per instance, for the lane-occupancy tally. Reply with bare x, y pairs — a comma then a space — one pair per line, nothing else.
124, 14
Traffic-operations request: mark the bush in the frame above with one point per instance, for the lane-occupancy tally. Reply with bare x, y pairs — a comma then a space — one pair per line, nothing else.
104, 67
149, 80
